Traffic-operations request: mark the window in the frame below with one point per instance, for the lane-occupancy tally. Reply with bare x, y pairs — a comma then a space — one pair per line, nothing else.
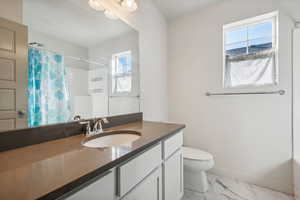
250, 52
121, 73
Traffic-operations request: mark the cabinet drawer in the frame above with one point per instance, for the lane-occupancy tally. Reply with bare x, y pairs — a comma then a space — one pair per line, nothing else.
172, 144
133, 172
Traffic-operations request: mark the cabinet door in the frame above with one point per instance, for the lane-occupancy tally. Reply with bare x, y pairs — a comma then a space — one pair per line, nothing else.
149, 189
103, 188
137, 169
173, 173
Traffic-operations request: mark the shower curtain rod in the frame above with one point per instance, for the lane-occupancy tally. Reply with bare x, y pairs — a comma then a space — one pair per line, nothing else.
280, 92
71, 57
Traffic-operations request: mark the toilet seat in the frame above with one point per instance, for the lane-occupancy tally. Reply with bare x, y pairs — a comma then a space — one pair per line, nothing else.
196, 154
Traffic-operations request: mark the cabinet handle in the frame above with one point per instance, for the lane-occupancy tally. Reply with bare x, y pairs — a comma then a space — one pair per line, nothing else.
158, 189
181, 173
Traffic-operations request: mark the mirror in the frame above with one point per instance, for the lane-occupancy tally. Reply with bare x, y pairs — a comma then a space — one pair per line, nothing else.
80, 63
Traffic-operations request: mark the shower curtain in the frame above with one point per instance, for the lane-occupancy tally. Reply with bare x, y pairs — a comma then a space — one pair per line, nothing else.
48, 96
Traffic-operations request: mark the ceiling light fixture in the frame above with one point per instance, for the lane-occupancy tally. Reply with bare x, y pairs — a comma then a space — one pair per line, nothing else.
129, 5
109, 14
95, 4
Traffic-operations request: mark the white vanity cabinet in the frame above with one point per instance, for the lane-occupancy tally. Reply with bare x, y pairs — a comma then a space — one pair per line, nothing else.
149, 189
103, 188
155, 174
136, 170
173, 167
165, 183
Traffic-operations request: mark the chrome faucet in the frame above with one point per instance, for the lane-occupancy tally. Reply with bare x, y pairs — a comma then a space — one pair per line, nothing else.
98, 126
88, 131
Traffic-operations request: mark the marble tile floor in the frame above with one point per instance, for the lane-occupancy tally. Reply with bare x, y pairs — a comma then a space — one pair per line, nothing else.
231, 189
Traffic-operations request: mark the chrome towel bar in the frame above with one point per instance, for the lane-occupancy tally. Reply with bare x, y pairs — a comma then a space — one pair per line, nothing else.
137, 96
280, 92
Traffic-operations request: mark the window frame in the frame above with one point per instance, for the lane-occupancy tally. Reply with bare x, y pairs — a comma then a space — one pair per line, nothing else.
269, 17
120, 75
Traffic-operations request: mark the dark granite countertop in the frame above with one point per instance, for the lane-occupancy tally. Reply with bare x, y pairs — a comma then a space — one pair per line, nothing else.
50, 169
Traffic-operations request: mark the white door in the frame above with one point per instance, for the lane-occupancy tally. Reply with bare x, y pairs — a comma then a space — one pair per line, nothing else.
13, 75
149, 189
102, 189
296, 80
173, 173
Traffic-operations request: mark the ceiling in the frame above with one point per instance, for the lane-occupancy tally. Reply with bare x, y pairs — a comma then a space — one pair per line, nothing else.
72, 20
176, 8
292, 7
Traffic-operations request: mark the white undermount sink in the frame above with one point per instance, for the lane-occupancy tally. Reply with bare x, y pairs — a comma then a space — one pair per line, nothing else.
112, 138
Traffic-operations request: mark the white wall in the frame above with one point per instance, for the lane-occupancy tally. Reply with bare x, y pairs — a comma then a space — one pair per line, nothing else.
81, 101
152, 28
249, 136
12, 10
99, 100
104, 51
296, 68
60, 46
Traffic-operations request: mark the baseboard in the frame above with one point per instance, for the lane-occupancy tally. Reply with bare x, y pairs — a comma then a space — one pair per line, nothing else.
296, 170
276, 185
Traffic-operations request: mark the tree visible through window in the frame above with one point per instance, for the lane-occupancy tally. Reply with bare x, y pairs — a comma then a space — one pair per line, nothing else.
250, 52
121, 73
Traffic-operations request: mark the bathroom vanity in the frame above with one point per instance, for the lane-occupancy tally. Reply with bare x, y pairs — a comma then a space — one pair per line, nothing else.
149, 168
154, 173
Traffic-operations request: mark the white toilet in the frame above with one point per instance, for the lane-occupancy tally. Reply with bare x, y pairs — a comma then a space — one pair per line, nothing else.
196, 163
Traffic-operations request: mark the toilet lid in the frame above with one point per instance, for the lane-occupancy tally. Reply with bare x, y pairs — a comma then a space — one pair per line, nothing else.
196, 154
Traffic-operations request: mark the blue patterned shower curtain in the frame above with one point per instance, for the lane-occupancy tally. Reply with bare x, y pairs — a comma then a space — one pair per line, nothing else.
48, 96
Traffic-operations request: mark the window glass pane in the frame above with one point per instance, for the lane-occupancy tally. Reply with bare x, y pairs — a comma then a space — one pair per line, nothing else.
129, 66
237, 35
250, 70
124, 64
123, 60
260, 30
260, 44
121, 73
236, 49
123, 84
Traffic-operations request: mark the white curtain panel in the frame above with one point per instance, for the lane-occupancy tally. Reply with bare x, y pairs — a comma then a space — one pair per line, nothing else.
256, 69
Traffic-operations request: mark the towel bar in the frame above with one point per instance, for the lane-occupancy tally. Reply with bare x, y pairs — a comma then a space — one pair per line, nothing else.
280, 92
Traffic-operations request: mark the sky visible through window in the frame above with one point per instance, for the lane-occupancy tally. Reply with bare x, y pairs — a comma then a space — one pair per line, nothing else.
249, 39
122, 73
124, 64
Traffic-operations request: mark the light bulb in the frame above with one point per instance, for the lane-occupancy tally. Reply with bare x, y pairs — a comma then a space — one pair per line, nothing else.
129, 5
109, 14
95, 4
